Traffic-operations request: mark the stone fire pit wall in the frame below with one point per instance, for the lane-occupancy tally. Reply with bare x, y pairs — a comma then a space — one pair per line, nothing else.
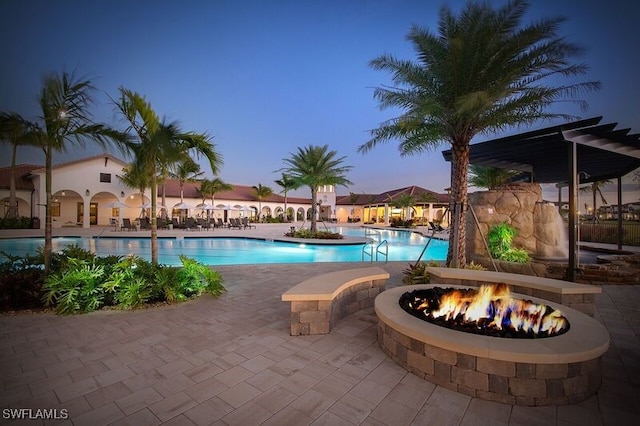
559, 370
521, 206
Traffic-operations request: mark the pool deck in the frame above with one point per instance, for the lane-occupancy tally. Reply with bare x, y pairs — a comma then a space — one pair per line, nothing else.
231, 361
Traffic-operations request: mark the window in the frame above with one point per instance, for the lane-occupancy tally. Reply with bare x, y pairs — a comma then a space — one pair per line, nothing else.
105, 177
55, 208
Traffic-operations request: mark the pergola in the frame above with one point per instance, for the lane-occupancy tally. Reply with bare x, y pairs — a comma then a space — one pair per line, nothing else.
569, 154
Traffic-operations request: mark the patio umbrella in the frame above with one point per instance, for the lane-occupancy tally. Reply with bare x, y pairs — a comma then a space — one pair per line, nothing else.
183, 206
117, 205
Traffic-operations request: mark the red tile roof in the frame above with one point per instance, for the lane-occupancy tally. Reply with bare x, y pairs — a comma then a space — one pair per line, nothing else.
22, 176
415, 191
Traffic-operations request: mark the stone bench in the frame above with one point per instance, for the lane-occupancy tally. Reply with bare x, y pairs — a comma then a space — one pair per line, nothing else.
319, 302
580, 297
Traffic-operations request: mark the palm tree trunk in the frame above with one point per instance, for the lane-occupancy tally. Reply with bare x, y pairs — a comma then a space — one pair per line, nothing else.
154, 223
164, 202
456, 255
314, 196
12, 212
48, 231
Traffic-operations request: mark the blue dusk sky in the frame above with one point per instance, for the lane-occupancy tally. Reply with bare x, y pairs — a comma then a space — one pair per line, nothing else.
266, 77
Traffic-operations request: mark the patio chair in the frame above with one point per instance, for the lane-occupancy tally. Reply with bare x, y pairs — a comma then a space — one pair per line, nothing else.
190, 224
176, 224
145, 223
235, 223
246, 224
219, 223
126, 224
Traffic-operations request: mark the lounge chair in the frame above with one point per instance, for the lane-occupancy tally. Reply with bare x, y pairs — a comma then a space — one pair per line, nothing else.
246, 224
219, 223
190, 224
145, 223
235, 223
126, 224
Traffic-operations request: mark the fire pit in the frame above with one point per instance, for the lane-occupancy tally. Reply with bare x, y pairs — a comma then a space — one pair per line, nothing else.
489, 310
561, 369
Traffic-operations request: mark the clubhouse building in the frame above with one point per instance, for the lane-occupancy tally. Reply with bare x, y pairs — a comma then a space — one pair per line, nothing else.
89, 192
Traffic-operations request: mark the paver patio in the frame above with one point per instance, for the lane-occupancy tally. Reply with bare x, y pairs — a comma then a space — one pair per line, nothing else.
231, 361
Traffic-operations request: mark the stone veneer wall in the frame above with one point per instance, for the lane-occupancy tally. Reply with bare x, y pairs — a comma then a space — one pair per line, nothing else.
500, 381
310, 317
519, 205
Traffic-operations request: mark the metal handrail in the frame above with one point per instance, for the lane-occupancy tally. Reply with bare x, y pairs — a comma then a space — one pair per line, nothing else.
386, 252
364, 250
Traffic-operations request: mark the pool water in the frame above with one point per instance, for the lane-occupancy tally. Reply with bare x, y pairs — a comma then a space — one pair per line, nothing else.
403, 245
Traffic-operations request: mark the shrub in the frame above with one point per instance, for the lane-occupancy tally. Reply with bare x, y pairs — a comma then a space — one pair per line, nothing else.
417, 273
85, 285
321, 235
500, 244
21, 222
77, 289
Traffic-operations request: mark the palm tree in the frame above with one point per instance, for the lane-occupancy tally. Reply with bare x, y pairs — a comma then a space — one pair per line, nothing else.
211, 187
261, 192
314, 166
160, 145
17, 131
353, 198
404, 201
482, 72
287, 183
596, 188
185, 170
137, 178
64, 103
489, 177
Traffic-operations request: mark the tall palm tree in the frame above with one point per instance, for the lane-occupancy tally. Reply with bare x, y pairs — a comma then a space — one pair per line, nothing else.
482, 72
261, 192
314, 166
64, 103
287, 183
160, 144
596, 189
489, 177
185, 170
17, 131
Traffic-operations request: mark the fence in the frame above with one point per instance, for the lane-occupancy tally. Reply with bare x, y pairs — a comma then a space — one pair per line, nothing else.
607, 232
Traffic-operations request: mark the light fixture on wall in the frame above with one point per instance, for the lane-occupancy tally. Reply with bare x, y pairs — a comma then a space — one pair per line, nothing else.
121, 194
87, 193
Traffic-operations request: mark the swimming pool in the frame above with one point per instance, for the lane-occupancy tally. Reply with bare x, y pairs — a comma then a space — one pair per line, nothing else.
403, 245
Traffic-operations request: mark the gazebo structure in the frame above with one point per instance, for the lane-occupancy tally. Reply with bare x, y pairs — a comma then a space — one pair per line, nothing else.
570, 154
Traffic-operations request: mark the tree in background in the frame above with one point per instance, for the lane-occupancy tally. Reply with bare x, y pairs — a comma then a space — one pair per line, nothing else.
482, 72
211, 187
135, 177
596, 189
287, 183
17, 131
489, 177
261, 192
314, 166
185, 170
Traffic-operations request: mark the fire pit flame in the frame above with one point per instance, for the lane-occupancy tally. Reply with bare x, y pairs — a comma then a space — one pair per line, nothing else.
488, 308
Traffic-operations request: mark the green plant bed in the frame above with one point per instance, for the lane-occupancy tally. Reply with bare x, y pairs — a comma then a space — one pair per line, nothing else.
82, 282
320, 235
